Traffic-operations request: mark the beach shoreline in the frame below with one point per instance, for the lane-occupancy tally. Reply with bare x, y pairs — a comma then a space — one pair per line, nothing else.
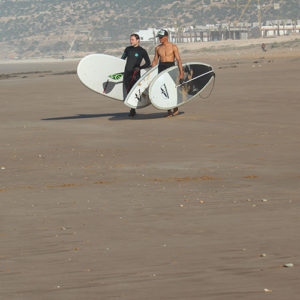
207, 49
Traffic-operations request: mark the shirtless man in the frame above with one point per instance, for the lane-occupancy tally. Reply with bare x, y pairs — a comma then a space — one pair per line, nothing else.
166, 53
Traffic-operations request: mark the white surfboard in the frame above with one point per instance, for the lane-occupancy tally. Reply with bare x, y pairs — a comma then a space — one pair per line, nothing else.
166, 92
103, 74
138, 96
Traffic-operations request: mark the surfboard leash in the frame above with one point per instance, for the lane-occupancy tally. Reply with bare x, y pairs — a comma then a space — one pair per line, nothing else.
211, 71
212, 88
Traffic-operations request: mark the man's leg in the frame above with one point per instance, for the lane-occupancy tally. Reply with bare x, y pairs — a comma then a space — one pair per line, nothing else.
127, 80
161, 68
135, 77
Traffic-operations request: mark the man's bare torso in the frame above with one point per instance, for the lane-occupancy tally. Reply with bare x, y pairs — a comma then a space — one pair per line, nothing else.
166, 52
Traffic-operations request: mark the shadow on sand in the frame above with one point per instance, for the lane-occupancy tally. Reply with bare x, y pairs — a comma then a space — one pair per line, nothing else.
113, 116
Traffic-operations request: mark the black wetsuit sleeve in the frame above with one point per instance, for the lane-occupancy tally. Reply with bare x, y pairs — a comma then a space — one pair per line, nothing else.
147, 60
125, 54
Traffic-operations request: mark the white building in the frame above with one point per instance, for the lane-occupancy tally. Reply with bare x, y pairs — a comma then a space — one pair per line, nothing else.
280, 27
148, 35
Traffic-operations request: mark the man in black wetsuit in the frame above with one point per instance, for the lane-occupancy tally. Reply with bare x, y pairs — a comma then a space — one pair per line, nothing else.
165, 55
134, 54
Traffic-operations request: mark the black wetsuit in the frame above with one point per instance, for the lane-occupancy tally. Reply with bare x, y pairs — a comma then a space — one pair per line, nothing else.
134, 56
165, 65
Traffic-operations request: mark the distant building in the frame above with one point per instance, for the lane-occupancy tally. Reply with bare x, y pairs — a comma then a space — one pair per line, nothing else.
217, 32
147, 35
280, 27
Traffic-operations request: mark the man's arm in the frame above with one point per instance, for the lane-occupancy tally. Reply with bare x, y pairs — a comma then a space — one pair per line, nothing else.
147, 61
178, 59
155, 60
125, 54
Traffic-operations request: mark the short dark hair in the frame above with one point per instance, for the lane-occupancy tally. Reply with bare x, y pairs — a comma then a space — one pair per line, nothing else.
135, 35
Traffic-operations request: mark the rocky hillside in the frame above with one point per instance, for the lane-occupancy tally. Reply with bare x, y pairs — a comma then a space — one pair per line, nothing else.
44, 26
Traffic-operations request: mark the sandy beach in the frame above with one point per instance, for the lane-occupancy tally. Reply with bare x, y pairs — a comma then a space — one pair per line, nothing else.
205, 205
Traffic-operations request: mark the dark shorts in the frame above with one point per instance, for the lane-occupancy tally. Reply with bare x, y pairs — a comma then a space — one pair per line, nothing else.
165, 65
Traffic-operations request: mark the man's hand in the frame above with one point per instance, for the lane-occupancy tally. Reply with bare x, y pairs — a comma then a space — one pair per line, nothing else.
136, 69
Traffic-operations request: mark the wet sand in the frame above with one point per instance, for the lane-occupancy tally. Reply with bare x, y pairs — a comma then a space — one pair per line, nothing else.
204, 205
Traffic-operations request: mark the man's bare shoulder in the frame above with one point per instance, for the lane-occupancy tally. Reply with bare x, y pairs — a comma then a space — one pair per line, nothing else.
174, 46
170, 44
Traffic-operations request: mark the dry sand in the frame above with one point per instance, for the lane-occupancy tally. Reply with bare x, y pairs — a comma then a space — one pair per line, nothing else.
204, 205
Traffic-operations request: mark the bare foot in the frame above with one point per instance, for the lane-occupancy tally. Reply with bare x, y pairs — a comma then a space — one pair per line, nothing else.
175, 111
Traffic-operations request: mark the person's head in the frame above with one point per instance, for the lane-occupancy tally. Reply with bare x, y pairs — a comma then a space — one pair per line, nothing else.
162, 35
134, 39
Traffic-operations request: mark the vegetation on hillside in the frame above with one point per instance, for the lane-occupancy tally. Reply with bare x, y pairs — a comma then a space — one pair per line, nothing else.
28, 24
